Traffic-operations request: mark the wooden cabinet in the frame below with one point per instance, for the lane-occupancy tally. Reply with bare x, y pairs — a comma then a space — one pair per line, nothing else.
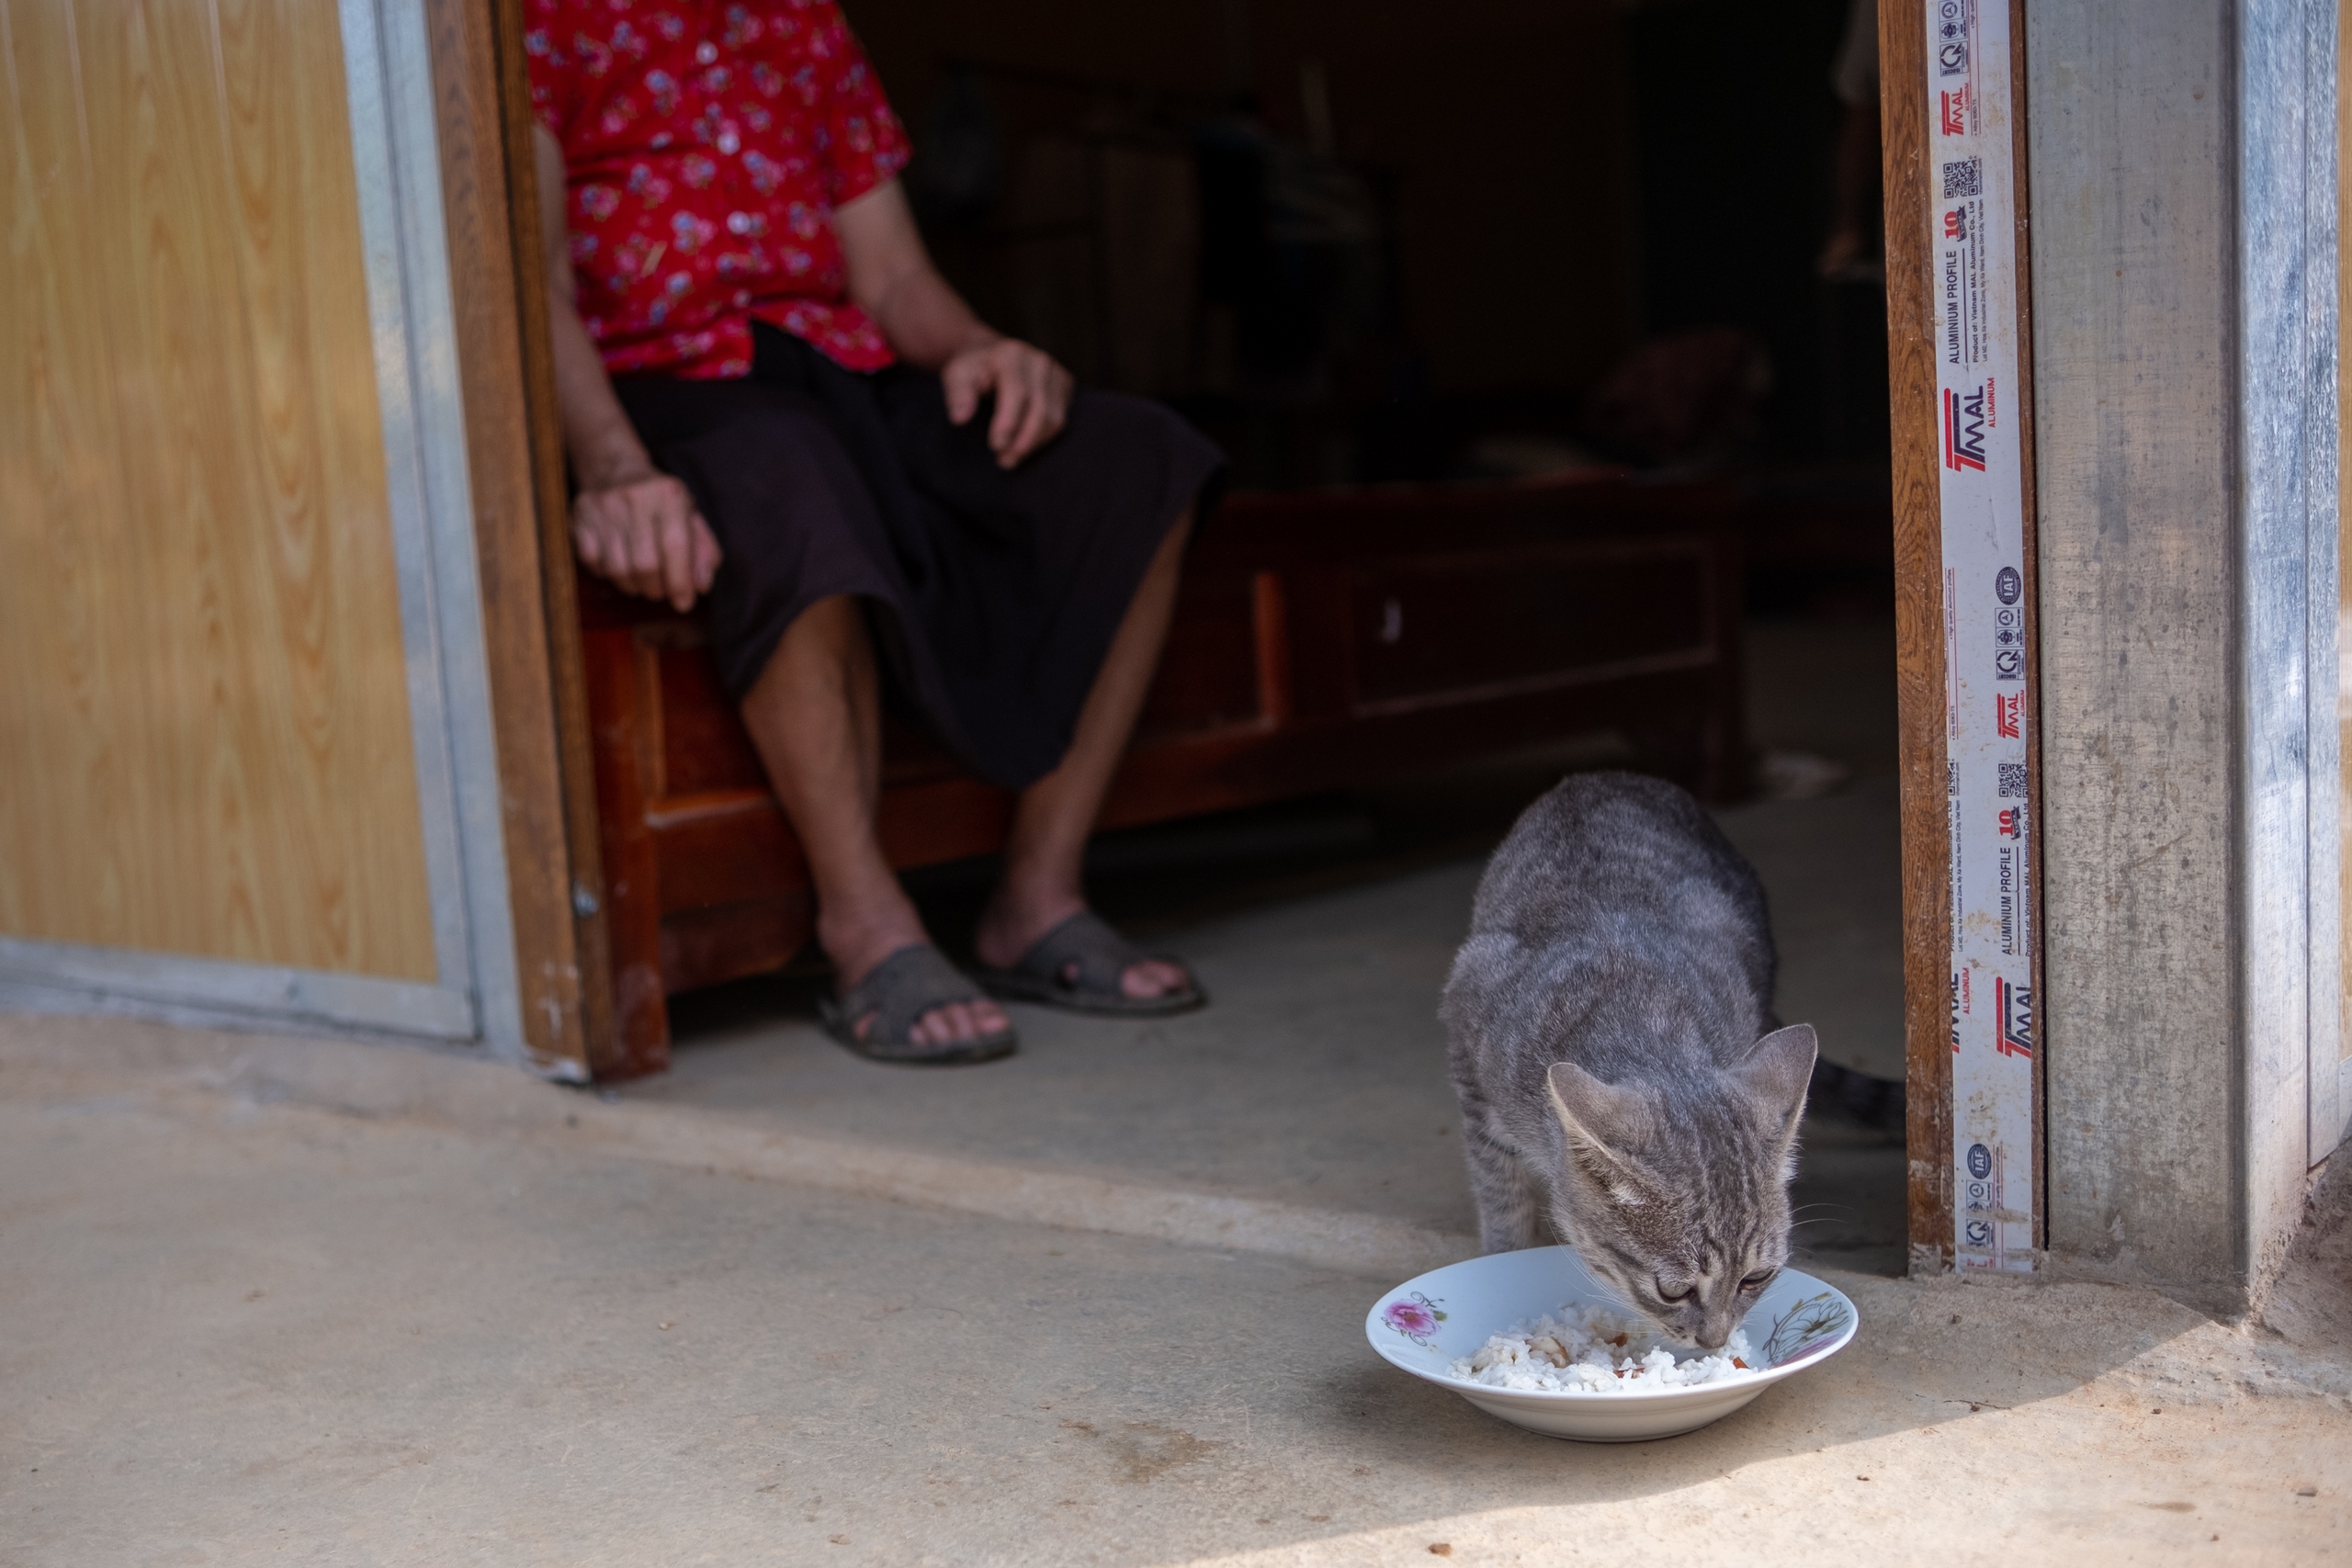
1319, 641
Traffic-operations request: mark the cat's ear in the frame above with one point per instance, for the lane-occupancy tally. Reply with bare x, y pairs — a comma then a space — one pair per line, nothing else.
1775, 1072
1617, 1122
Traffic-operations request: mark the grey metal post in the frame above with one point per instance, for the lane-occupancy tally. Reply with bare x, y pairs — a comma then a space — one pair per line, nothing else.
2183, 178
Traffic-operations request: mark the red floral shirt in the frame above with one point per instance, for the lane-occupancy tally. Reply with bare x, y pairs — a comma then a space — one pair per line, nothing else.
707, 145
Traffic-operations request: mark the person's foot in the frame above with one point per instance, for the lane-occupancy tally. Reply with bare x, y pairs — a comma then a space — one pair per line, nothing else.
1011, 924
857, 944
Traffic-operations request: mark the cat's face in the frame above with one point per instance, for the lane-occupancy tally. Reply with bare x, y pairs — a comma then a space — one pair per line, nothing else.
1684, 1210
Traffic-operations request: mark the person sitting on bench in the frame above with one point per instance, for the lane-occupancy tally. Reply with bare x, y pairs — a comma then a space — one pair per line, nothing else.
773, 402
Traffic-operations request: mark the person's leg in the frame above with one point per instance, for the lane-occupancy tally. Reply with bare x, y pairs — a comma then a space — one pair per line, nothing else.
1042, 859
814, 715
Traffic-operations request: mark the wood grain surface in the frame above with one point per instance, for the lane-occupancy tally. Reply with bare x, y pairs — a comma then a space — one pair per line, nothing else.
563, 999
204, 725
567, 659
1919, 646
566, 655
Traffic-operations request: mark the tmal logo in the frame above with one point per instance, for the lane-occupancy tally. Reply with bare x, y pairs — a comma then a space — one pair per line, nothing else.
1964, 429
2017, 1017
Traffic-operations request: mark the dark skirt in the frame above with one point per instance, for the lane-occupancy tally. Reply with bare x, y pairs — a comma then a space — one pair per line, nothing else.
994, 595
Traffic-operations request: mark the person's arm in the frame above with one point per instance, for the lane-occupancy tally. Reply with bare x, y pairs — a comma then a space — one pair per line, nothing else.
630, 522
927, 323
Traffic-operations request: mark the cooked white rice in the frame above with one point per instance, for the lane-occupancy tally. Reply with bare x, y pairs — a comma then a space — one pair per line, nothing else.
1589, 1349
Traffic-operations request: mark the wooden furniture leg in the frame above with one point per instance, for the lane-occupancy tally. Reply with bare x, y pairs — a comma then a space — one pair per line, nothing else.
626, 745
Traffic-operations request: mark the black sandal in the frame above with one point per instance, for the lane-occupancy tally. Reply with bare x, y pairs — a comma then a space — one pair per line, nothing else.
901, 988
1101, 958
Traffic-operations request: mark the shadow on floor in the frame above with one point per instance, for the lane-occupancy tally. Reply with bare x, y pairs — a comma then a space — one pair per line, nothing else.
1323, 929
367, 1331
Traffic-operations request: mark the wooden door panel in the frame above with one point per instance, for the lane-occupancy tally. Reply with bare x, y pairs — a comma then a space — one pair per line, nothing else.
206, 743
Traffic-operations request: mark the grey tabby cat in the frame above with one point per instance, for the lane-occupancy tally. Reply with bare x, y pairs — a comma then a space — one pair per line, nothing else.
1604, 1019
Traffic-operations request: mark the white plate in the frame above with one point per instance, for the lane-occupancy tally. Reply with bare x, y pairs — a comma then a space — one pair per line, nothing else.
1424, 1324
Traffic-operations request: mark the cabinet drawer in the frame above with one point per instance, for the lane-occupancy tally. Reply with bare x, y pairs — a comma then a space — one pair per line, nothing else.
1433, 629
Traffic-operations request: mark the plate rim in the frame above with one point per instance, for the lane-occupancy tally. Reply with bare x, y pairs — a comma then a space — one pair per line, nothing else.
1757, 1381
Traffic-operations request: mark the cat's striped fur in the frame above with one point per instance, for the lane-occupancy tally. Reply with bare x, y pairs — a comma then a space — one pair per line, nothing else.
1623, 1082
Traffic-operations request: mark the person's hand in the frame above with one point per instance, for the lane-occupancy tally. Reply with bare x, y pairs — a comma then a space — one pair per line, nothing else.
1032, 395
639, 528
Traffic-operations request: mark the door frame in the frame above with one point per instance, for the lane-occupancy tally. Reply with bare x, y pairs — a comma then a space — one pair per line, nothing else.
2178, 323
512, 443
1931, 972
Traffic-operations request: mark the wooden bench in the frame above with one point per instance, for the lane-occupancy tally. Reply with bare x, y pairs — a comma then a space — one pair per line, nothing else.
1319, 641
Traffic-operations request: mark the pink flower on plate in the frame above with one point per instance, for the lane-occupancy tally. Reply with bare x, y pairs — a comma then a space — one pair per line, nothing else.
1416, 1318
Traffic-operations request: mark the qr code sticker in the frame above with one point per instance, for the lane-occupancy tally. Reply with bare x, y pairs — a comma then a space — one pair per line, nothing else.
2012, 781
1964, 177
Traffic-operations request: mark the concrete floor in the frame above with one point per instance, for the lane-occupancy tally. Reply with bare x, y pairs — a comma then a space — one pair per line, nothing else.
312, 1302
1323, 932
1318, 1079
339, 1304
